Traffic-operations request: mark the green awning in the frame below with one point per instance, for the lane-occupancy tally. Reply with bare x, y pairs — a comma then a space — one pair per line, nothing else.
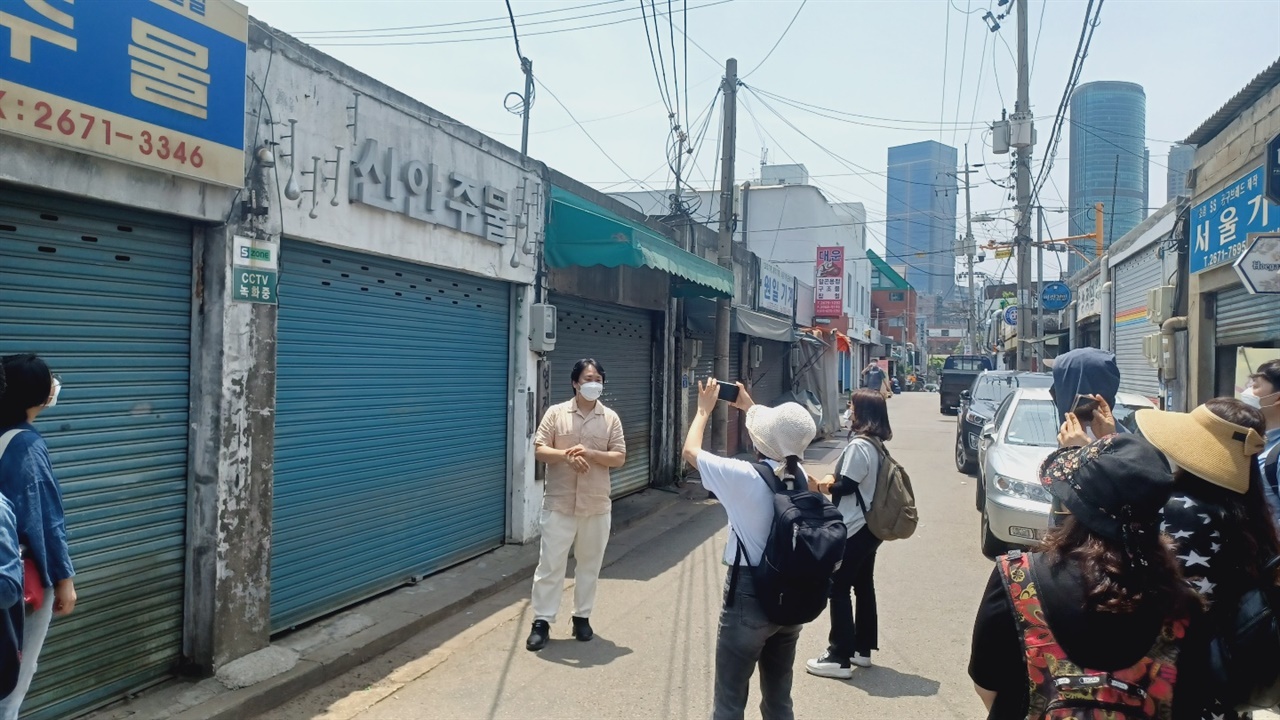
580, 233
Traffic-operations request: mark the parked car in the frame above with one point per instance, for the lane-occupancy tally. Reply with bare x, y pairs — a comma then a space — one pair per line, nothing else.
978, 405
958, 373
1013, 502
931, 387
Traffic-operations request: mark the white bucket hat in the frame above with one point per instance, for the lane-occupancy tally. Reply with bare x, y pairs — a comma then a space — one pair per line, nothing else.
779, 432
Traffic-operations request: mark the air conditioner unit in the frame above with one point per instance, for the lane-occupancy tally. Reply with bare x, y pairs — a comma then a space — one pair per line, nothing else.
692, 353
542, 327
757, 355
1160, 304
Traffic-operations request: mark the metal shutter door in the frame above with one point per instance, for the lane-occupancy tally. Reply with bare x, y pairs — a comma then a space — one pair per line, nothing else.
768, 380
105, 298
1133, 279
706, 369
1245, 319
391, 426
622, 340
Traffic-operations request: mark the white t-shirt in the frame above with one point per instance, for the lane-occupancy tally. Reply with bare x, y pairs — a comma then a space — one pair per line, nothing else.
860, 462
747, 500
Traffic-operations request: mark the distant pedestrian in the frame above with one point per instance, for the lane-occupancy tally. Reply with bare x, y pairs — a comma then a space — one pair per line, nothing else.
747, 638
874, 378
1218, 518
27, 480
1098, 622
853, 637
1263, 393
580, 440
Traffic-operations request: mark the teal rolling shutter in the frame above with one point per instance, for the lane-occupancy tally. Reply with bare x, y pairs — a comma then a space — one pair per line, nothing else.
391, 426
621, 339
105, 298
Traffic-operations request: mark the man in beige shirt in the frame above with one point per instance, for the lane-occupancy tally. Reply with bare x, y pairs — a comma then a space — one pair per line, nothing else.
579, 440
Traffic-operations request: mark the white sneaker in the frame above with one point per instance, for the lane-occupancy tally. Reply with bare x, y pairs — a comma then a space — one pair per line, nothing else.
861, 660
829, 667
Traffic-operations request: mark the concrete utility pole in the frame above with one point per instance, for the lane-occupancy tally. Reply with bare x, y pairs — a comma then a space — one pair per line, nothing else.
720, 420
527, 66
1039, 348
1023, 141
971, 339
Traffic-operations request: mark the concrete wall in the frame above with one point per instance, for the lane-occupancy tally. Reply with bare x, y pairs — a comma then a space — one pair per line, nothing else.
1235, 150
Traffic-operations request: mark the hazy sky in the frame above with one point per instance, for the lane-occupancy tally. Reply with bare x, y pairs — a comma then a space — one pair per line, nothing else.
868, 57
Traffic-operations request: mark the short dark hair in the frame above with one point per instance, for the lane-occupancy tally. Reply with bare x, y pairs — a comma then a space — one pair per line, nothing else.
581, 367
870, 414
27, 385
1269, 371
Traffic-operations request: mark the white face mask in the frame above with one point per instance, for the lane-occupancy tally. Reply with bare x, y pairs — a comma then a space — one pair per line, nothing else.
53, 397
1253, 400
591, 391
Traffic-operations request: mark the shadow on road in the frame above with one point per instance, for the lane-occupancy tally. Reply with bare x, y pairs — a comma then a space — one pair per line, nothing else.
885, 682
571, 653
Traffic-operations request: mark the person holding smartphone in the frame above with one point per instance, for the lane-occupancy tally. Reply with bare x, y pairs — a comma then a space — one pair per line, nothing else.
580, 441
747, 639
1085, 383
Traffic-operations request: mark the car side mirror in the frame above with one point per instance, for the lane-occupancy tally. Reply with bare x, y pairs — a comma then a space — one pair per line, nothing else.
965, 395
988, 431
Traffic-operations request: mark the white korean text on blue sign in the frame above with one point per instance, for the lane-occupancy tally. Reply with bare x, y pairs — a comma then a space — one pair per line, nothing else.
158, 83
777, 290
1221, 224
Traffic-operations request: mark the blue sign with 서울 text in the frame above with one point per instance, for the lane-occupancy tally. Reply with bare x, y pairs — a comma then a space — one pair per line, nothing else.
1221, 224
159, 83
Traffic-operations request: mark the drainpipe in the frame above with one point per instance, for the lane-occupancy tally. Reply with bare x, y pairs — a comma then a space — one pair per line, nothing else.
1072, 318
1108, 314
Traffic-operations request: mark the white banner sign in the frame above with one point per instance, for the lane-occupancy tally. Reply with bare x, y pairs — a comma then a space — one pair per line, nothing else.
777, 289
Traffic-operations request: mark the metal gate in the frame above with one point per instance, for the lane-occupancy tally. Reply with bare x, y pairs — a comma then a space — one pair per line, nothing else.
622, 340
1133, 278
391, 426
768, 381
105, 298
706, 369
1244, 319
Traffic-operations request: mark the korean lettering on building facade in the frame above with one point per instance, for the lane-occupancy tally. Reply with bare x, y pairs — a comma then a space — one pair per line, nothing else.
427, 192
1222, 223
157, 83
777, 291
829, 283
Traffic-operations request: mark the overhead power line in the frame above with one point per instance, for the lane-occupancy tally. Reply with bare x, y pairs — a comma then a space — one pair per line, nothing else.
785, 30
500, 20
381, 40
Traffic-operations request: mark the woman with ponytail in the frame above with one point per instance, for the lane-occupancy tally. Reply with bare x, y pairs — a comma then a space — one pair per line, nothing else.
851, 488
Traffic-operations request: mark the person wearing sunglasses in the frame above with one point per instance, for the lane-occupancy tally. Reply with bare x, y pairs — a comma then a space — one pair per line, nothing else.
28, 482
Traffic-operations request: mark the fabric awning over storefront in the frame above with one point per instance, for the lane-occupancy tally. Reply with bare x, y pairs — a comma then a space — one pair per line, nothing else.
701, 319
581, 233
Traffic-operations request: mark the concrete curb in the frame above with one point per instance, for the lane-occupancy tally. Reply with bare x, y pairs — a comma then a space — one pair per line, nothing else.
336, 645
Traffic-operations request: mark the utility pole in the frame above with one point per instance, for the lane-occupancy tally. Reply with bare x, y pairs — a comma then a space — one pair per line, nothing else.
1040, 288
969, 250
720, 420
527, 65
1023, 142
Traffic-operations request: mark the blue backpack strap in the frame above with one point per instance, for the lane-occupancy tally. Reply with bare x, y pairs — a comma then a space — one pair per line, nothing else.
1269, 470
770, 478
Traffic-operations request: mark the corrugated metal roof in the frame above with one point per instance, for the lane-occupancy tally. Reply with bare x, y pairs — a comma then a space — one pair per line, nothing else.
1262, 84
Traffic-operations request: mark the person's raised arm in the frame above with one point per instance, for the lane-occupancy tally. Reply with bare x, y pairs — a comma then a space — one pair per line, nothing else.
708, 394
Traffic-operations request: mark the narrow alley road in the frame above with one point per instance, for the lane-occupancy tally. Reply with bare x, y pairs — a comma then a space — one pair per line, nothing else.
656, 622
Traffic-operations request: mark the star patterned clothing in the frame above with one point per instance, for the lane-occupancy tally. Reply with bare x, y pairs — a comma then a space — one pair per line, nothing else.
1198, 528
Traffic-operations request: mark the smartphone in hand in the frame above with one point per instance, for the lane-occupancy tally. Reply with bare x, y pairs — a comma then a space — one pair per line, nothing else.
1084, 407
728, 391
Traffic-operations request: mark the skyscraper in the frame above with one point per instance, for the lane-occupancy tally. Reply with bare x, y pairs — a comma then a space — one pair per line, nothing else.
1180, 159
1108, 162
920, 230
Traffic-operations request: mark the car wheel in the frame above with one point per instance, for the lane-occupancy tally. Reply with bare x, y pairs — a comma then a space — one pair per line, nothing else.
991, 546
980, 495
963, 463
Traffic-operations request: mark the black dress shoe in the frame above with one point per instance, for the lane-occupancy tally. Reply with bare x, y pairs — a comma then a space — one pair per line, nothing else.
582, 629
539, 636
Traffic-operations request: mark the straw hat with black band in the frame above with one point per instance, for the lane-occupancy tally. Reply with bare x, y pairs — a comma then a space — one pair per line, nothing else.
1204, 444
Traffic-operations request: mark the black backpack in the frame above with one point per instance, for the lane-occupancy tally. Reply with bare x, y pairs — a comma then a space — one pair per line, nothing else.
804, 549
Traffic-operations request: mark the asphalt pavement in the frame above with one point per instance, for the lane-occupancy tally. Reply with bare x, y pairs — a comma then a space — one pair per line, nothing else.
656, 618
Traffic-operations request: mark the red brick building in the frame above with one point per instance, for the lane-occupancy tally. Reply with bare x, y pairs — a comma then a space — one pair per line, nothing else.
894, 304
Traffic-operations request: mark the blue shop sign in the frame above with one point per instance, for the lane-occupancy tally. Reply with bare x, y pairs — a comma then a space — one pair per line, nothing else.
158, 83
1221, 224
1056, 296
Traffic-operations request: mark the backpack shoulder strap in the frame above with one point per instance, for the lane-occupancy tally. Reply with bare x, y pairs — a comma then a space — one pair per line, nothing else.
8, 438
770, 478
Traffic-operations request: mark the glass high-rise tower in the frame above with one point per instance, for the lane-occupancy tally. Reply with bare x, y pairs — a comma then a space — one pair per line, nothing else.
1180, 160
1108, 162
920, 231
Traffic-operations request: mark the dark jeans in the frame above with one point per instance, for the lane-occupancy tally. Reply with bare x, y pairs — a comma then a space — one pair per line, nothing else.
748, 639
856, 574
